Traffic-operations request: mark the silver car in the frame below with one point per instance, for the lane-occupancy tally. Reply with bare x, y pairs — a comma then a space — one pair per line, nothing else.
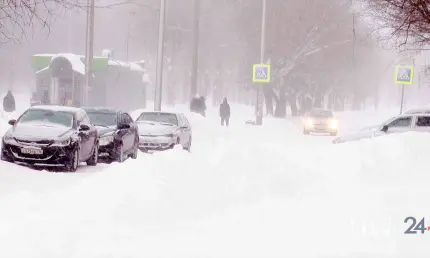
419, 122
320, 121
163, 130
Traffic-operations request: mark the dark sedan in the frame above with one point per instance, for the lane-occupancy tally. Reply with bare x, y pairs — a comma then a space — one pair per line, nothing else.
118, 135
51, 136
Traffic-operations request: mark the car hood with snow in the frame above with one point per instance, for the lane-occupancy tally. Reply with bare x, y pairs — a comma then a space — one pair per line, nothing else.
39, 131
155, 128
104, 130
364, 133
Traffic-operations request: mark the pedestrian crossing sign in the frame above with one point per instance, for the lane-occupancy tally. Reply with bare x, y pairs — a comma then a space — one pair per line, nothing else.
404, 74
261, 73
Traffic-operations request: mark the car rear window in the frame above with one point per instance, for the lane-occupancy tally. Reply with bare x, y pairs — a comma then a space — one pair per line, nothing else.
167, 118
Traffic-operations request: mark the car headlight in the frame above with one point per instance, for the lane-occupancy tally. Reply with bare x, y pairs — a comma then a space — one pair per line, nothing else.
8, 139
333, 124
63, 142
170, 135
309, 122
105, 140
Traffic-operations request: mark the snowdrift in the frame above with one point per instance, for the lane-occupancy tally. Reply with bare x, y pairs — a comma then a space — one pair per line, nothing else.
243, 191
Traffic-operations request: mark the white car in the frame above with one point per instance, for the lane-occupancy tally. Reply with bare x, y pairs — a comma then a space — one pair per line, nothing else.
419, 122
163, 130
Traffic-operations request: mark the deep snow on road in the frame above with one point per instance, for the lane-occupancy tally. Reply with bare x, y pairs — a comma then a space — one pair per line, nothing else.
243, 191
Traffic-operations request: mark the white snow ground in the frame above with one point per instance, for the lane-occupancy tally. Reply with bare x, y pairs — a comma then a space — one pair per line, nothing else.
244, 191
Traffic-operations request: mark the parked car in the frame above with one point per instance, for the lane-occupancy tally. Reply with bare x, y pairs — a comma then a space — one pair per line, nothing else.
163, 130
320, 121
51, 136
118, 135
419, 122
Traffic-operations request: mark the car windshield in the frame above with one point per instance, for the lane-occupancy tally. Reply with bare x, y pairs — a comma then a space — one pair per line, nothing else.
166, 118
103, 118
321, 113
47, 117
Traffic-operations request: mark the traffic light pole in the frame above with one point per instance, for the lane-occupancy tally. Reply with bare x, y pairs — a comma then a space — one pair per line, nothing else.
260, 96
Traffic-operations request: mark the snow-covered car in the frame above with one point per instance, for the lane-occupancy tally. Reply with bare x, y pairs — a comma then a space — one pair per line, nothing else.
51, 136
163, 130
419, 122
118, 135
320, 121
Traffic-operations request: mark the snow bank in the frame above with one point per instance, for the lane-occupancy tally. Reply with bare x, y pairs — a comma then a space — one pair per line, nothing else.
243, 191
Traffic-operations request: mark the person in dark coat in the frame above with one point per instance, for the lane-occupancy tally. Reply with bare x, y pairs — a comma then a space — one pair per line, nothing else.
202, 106
9, 102
194, 105
224, 112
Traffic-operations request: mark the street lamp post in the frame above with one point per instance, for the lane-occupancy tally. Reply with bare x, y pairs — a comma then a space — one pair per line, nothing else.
195, 64
160, 55
89, 53
259, 104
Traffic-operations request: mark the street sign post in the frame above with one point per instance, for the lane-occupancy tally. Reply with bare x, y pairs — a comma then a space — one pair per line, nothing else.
260, 74
404, 75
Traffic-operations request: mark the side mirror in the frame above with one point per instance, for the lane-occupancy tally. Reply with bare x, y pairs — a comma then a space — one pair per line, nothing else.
384, 128
123, 126
84, 128
12, 122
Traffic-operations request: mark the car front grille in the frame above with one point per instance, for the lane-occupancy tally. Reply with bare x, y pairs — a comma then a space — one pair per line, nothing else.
35, 143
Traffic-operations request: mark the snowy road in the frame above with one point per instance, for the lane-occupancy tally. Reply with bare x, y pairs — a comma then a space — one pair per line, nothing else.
243, 192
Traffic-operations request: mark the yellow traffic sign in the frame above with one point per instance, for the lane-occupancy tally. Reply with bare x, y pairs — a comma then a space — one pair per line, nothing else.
404, 74
261, 73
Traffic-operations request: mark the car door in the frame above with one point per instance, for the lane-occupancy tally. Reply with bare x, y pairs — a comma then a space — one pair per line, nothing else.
135, 131
126, 134
185, 129
400, 125
84, 138
132, 132
92, 133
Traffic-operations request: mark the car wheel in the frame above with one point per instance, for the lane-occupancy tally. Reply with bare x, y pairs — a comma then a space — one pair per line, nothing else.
95, 157
188, 148
73, 163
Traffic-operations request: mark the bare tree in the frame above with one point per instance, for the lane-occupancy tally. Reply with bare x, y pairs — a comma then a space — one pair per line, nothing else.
18, 17
405, 22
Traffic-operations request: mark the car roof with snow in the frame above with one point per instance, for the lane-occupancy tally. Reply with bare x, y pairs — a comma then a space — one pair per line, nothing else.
57, 108
421, 110
161, 112
101, 109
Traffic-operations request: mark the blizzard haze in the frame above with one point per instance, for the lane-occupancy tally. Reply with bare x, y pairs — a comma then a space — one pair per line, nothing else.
243, 190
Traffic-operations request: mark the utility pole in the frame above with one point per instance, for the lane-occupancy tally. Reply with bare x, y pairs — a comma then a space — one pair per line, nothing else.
260, 97
195, 67
160, 57
89, 53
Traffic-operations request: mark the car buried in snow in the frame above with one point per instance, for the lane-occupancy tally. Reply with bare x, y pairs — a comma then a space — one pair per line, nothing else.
51, 136
320, 121
163, 130
406, 122
118, 135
